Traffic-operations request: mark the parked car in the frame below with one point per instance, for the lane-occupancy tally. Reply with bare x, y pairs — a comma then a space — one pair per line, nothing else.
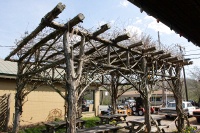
138, 108
170, 110
130, 102
85, 108
196, 113
121, 106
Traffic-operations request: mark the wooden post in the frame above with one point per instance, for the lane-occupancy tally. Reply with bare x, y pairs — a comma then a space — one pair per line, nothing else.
128, 59
108, 54
72, 80
178, 99
185, 83
147, 94
20, 84
7, 113
114, 91
70, 85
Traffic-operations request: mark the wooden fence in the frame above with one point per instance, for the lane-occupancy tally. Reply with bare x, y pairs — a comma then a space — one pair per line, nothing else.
4, 112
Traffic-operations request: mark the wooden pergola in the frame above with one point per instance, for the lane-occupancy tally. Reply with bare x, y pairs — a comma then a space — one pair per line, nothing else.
75, 57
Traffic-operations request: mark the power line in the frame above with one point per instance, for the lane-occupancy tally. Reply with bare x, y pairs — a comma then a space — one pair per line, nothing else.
195, 58
191, 54
7, 46
192, 50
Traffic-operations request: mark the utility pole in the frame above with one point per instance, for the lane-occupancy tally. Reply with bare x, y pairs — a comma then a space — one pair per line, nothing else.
159, 40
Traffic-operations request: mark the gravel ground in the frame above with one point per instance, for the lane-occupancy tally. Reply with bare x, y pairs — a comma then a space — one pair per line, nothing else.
169, 122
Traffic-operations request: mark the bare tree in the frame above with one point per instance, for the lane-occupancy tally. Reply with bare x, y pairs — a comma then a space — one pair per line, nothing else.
194, 84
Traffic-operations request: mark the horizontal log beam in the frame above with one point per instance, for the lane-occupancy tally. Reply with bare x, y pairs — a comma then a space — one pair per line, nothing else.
96, 33
49, 16
116, 67
52, 65
136, 44
121, 38
149, 49
157, 53
172, 59
106, 42
165, 56
77, 19
103, 28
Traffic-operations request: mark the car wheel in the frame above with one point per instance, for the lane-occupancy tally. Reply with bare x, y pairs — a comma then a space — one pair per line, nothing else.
140, 112
167, 116
198, 120
134, 108
189, 115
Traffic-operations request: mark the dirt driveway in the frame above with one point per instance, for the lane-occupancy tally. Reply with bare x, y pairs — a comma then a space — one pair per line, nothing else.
166, 121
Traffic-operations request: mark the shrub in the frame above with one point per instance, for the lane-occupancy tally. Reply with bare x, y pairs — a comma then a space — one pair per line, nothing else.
191, 129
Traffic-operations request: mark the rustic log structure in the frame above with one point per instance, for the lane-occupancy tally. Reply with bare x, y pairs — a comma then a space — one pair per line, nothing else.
81, 58
4, 112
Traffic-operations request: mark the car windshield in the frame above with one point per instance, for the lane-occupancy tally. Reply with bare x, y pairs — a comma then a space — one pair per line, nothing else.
171, 105
174, 105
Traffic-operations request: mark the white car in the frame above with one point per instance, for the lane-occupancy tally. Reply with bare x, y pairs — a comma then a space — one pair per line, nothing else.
170, 110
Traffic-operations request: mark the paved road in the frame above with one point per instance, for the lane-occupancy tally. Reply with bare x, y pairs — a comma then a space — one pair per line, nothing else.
169, 122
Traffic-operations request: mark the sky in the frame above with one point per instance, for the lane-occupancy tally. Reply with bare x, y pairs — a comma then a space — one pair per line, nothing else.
18, 16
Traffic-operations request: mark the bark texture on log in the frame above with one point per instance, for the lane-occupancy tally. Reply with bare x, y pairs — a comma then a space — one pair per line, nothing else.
19, 98
72, 81
147, 95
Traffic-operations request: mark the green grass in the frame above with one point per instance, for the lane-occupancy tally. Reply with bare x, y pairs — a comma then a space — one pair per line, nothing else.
35, 129
90, 122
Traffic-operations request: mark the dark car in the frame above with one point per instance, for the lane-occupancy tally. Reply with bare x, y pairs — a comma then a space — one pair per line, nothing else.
196, 113
85, 108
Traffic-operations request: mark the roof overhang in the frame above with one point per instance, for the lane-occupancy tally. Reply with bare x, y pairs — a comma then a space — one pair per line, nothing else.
8, 76
182, 16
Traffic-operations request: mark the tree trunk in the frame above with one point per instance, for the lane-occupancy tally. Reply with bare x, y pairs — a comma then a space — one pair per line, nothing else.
178, 99
19, 97
114, 88
147, 94
79, 107
72, 80
71, 112
70, 85
147, 110
114, 104
18, 113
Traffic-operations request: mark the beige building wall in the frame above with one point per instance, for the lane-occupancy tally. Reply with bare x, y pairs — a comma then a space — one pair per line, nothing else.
37, 105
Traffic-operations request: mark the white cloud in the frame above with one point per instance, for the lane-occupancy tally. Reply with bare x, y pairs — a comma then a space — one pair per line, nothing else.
124, 3
111, 22
159, 27
149, 18
154, 25
133, 29
138, 21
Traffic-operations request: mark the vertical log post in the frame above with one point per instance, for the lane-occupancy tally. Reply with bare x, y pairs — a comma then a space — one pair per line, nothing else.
114, 91
178, 99
108, 54
128, 58
72, 80
7, 113
70, 85
147, 94
19, 98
